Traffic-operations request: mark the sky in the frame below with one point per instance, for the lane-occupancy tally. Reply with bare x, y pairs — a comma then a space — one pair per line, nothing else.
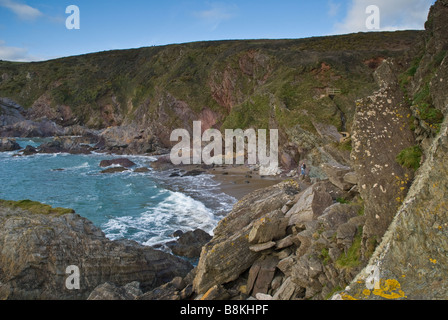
33, 30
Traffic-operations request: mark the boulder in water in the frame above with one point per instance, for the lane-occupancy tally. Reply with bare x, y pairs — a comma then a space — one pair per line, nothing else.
124, 162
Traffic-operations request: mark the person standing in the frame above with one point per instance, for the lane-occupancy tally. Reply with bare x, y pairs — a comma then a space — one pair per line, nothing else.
303, 169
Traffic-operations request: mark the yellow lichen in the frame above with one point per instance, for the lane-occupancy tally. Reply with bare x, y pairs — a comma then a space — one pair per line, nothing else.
346, 296
389, 289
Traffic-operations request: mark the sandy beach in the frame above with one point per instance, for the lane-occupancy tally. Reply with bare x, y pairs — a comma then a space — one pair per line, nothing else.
239, 181
236, 180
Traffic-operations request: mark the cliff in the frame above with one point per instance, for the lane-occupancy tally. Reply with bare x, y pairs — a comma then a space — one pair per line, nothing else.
411, 260
135, 98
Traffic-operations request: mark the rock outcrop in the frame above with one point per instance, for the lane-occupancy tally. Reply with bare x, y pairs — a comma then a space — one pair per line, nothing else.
10, 112
411, 260
230, 243
282, 243
189, 244
7, 144
381, 131
37, 246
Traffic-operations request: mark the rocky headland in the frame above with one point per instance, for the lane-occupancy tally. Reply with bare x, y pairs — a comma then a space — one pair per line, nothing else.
39, 242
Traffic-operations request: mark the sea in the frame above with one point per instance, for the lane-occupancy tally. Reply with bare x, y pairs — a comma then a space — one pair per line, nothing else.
145, 207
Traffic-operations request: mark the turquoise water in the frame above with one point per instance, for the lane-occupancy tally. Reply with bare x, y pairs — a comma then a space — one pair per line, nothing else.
145, 207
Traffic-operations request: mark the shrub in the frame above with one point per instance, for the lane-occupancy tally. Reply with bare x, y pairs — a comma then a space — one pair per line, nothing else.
410, 157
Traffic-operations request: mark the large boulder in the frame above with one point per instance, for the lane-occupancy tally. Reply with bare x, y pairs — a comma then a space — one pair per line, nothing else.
190, 243
124, 162
310, 205
38, 243
65, 144
337, 175
10, 112
7, 144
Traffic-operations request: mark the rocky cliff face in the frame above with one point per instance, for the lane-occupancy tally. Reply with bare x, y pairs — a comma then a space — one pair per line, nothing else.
137, 97
381, 131
38, 243
411, 260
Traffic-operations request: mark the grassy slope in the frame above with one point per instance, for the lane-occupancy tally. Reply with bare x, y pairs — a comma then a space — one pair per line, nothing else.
279, 91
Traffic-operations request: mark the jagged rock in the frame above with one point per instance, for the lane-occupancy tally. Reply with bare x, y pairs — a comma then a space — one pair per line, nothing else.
169, 291
263, 296
336, 174
337, 214
37, 248
65, 145
29, 150
276, 282
189, 243
350, 178
230, 240
285, 242
305, 237
271, 227
311, 204
10, 113
115, 170
262, 246
286, 290
130, 139
346, 232
110, 291
7, 144
261, 275
285, 265
124, 162
31, 129
334, 253
328, 132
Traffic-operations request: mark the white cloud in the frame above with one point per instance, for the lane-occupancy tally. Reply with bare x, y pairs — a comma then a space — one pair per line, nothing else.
394, 15
15, 54
216, 13
23, 11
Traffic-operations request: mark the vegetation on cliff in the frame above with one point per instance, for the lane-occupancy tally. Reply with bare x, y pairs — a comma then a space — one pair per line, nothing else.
35, 207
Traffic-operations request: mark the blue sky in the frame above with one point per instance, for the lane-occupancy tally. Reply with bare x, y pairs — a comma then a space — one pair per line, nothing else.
36, 30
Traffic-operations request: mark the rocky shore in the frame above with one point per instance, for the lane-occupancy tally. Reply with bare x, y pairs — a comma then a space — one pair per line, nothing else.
38, 243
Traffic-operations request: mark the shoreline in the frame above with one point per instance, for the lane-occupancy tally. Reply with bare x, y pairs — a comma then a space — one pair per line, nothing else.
239, 181
235, 180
